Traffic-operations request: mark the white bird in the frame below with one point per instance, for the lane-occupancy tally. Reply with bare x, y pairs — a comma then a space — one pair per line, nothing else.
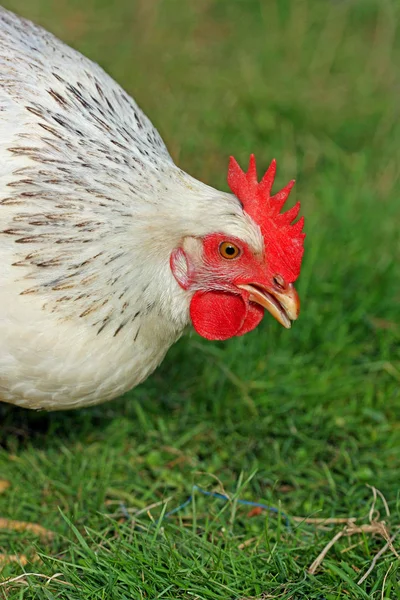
107, 249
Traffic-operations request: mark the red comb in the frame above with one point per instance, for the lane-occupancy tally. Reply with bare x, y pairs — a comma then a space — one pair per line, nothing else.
283, 240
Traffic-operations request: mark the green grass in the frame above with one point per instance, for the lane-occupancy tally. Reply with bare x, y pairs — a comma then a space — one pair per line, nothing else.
303, 420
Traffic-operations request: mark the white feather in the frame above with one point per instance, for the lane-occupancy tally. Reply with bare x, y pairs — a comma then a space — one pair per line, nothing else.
91, 207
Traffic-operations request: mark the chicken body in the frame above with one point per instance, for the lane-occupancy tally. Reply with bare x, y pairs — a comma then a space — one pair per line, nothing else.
91, 207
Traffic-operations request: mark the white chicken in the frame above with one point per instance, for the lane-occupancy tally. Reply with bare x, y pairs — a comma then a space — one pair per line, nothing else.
107, 249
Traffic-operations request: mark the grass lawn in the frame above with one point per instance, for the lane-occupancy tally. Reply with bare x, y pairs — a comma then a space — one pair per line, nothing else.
307, 420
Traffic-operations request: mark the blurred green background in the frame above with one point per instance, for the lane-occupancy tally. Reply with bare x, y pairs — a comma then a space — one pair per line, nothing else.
303, 420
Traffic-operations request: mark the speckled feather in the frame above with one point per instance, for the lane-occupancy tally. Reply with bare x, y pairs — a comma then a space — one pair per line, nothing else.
91, 207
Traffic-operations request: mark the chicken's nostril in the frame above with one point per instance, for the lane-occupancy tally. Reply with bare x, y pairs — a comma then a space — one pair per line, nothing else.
279, 282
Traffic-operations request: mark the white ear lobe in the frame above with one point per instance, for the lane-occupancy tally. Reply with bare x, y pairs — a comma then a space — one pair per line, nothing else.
180, 267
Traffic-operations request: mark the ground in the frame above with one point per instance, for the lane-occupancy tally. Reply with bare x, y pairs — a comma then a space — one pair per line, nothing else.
306, 420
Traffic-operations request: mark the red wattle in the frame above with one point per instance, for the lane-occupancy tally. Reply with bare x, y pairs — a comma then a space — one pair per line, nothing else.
222, 315
254, 315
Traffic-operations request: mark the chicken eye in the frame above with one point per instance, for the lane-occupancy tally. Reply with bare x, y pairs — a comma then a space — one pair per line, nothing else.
228, 250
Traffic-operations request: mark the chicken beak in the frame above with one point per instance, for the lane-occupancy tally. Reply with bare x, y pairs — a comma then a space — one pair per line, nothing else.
283, 304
